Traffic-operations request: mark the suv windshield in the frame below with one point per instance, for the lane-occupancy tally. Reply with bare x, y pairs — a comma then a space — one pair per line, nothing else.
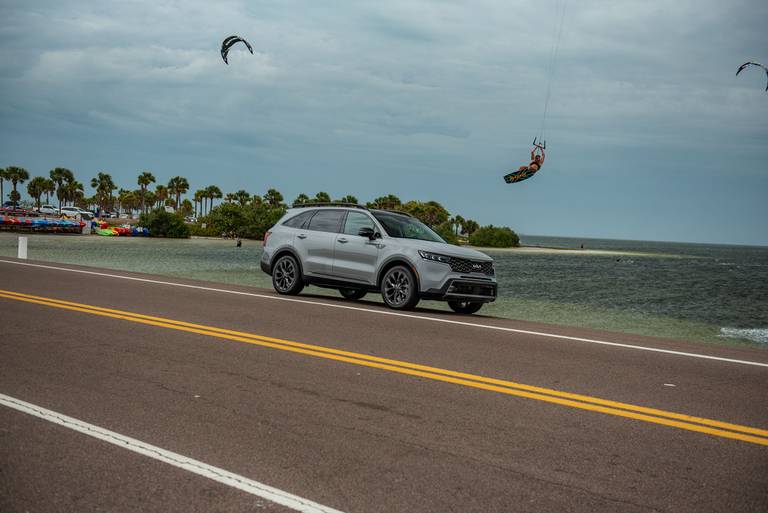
404, 227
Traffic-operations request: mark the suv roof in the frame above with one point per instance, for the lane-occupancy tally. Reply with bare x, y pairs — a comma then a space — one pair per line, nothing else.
336, 204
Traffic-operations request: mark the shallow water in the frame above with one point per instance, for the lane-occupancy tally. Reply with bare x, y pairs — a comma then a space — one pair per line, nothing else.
687, 291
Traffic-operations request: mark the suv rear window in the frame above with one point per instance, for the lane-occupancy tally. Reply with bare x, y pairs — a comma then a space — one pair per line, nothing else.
326, 221
299, 220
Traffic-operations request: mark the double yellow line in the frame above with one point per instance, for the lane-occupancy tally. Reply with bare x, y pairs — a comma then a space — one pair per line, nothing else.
582, 402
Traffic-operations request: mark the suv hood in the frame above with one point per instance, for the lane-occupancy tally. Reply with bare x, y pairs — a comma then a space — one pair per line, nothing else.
446, 249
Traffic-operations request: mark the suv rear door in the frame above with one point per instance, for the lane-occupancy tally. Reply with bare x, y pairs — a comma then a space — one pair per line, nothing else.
315, 242
355, 257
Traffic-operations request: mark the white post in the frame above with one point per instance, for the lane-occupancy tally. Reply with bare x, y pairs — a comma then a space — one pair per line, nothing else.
23, 248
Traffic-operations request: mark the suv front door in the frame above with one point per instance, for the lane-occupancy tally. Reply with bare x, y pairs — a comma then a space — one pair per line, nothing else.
355, 257
315, 242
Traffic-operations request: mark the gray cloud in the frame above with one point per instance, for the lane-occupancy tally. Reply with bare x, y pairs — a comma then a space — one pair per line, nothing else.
438, 89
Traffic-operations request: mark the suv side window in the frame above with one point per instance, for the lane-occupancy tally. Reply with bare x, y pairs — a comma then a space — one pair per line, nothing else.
299, 220
326, 221
355, 221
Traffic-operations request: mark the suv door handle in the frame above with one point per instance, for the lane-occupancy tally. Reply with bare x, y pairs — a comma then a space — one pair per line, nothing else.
301, 236
343, 241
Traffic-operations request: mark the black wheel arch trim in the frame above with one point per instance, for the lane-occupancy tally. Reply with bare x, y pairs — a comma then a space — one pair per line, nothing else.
281, 252
391, 262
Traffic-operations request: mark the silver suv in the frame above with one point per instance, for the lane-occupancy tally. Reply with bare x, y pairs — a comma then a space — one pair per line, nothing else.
358, 250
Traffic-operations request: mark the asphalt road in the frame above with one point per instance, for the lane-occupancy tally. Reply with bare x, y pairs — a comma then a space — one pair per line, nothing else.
346, 405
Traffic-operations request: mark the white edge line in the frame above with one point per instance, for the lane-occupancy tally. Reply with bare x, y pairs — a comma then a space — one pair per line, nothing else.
398, 314
177, 460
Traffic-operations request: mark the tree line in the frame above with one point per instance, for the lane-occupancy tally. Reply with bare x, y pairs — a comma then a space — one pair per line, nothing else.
243, 215
62, 185
240, 214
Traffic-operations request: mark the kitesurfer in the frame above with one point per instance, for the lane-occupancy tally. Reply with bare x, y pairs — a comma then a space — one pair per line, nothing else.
525, 172
537, 160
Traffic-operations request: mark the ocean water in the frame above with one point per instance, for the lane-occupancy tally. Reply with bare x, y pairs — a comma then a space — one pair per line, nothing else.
709, 293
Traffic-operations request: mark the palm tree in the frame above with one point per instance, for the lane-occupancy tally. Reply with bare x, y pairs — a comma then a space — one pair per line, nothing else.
185, 208
161, 194
129, 200
104, 188
143, 181
122, 199
322, 197
458, 224
470, 227
388, 202
150, 197
36, 188
242, 197
229, 197
177, 186
60, 175
301, 199
256, 200
73, 192
91, 202
16, 175
213, 193
48, 189
204, 195
349, 199
198, 197
273, 198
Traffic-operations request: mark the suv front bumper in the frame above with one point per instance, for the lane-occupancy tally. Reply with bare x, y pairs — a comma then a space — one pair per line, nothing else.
464, 289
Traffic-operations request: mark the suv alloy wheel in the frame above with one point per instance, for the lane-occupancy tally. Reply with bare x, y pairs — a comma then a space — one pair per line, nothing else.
286, 276
399, 288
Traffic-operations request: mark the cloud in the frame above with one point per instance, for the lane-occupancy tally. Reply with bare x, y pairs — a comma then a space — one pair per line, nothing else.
436, 87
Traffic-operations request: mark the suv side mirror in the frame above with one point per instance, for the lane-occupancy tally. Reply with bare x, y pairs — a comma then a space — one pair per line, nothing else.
367, 232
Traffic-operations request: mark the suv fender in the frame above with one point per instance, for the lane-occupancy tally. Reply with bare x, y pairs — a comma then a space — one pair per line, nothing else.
392, 262
284, 251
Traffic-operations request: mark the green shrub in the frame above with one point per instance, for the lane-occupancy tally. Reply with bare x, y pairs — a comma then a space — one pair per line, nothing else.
494, 237
164, 224
248, 221
226, 218
197, 230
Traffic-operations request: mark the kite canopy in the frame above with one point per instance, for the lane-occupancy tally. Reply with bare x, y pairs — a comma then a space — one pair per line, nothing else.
231, 41
753, 64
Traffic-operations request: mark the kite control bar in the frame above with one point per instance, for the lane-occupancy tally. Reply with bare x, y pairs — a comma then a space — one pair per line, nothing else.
541, 145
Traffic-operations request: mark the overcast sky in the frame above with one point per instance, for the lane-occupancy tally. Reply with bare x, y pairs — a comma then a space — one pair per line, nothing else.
650, 135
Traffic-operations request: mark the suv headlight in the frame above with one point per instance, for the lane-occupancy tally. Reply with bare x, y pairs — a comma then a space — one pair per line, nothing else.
435, 257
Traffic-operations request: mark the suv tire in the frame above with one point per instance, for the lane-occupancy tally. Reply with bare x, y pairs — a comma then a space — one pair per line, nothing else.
464, 307
286, 276
399, 288
353, 293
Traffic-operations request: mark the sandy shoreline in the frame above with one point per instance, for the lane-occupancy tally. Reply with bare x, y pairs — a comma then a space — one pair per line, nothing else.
543, 250
522, 250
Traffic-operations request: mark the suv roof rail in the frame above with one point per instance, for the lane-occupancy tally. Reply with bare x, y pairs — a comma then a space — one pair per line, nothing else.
349, 205
401, 212
328, 204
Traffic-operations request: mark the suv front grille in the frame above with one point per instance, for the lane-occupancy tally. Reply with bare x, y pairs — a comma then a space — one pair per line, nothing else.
462, 265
